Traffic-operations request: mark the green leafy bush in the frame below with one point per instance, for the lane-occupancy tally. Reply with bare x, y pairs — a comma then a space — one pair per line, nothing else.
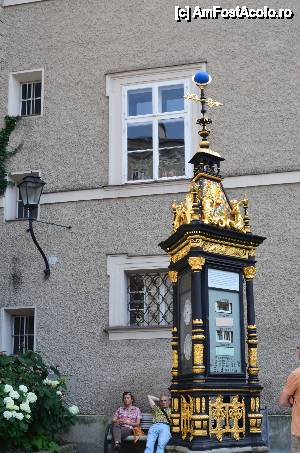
33, 409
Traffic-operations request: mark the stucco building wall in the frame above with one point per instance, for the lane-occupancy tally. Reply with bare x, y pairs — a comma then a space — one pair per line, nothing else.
72, 306
253, 64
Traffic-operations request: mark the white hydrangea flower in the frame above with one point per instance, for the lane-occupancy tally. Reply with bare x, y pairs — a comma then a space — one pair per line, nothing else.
10, 405
50, 382
27, 416
13, 414
14, 394
7, 415
8, 388
58, 392
73, 410
19, 416
8, 399
23, 388
15, 408
31, 397
25, 407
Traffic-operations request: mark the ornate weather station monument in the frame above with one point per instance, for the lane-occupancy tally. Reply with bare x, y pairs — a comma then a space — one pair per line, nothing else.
215, 394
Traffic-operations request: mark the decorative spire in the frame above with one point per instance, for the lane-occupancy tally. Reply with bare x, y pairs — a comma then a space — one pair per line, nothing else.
207, 202
210, 161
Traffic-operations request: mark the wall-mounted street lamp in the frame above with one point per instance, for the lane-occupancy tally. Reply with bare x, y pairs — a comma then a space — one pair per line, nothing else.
31, 189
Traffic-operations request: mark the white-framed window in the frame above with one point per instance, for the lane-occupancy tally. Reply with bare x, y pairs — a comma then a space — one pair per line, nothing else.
25, 93
17, 330
13, 205
155, 131
152, 128
140, 297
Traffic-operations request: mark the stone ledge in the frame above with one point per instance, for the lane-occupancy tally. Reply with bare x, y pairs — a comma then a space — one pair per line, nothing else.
173, 449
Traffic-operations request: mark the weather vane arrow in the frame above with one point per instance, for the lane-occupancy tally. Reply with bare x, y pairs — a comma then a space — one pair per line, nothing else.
209, 101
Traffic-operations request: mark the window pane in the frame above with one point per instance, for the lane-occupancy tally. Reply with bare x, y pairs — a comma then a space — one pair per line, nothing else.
37, 89
30, 342
24, 90
23, 109
171, 98
28, 112
139, 102
140, 165
37, 107
16, 325
30, 325
139, 136
171, 148
29, 87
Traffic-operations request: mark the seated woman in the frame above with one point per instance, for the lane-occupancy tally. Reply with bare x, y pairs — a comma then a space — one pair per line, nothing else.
124, 419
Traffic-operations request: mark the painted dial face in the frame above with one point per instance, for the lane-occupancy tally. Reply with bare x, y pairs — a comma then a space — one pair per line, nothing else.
187, 346
187, 311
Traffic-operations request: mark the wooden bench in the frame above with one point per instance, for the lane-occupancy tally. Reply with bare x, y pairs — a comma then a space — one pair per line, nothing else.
146, 422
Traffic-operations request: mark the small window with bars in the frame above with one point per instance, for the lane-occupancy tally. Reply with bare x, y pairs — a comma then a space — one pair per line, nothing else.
31, 98
22, 333
150, 299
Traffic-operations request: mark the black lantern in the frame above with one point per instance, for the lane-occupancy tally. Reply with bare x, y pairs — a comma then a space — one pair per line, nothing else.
31, 189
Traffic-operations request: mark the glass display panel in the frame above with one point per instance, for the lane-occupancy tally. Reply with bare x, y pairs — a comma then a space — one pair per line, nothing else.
171, 147
171, 98
186, 355
224, 322
223, 279
139, 102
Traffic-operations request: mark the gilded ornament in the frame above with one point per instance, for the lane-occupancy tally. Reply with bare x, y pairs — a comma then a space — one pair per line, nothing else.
255, 423
197, 321
174, 359
196, 262
218, 247
203, 405
198, 354
198, 405
186, 421
173, 275
249, 272
252, 357
257, 404
175, 404
226, 418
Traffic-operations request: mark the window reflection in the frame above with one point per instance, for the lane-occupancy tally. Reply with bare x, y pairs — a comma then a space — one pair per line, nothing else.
171, 98
140, 102
171, 148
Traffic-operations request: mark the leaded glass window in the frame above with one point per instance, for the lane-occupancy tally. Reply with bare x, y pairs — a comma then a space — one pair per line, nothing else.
150, 299
155, 126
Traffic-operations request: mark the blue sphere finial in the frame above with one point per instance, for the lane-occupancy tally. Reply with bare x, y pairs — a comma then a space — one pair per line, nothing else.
202, 79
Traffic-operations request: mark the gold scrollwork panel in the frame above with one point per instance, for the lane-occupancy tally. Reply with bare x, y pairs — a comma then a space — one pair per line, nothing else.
227, 418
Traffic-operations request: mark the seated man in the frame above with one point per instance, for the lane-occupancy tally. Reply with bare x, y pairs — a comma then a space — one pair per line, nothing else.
124, 419
161, 424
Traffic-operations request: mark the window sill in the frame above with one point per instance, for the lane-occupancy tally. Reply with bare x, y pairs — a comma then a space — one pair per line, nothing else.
138, 333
